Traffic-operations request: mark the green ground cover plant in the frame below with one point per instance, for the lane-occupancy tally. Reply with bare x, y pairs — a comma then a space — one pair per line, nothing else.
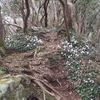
80, 69
22, 42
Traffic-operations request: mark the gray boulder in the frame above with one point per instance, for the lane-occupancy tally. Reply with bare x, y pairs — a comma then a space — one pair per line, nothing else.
12, 87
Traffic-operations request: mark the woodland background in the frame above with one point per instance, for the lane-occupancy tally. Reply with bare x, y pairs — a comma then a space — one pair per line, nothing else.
63, 34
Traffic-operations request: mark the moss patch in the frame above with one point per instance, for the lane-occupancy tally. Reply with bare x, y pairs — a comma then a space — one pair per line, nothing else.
49, 97
2, 44
12, 88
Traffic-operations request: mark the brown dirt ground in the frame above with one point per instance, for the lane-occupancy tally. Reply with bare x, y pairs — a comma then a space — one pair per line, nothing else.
44, 69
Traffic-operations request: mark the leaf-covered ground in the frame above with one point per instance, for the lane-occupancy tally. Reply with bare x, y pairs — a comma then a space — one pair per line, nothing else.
46, 65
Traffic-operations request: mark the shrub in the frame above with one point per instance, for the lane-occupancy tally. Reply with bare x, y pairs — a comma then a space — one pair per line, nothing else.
79, 69
22, 42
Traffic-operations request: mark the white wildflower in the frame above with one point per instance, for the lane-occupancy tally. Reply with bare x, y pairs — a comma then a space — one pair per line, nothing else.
87, 46
91, 99
62, 53
89, 79
89, 61
76, 55
40, 41
75, 42
68, 50
68, 56
27, 45
34, 44
82, 52
71, 50
64, 46
91, 89
70, 46
66, 42
98, 86
87, 52
59, 46
71, 55
75, 51
92, 81
62, 43
83, 48
36, 38
85, 81
69, 64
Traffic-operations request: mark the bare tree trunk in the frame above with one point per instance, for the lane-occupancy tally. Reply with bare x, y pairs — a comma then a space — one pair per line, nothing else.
36, 10
45, 12
66, 13
55, 14
77, 24
1, 27
2, 33
26, 16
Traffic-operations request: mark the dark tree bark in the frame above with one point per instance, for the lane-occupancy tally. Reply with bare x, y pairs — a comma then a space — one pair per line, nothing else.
67, 21
26, 16
46, 2
2, 36
1, 27
66, 17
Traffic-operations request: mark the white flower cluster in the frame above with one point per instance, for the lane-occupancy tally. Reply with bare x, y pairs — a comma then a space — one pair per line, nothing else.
33, 38
88, 80
73, 50
76, 55
23, 42
26, 37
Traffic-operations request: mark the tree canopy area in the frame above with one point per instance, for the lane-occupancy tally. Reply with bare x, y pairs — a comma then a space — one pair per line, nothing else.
55, 44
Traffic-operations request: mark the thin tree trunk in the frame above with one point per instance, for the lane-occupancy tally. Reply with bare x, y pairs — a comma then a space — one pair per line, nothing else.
45, 12
1, 27
66, 12
2, 36
77, 25
55, 14
26, 16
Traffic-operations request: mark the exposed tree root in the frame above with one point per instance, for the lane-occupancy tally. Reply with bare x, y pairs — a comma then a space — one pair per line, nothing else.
45, 87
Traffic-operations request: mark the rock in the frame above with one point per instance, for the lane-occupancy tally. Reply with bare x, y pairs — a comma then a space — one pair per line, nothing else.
12, 88
2, 51
2, 72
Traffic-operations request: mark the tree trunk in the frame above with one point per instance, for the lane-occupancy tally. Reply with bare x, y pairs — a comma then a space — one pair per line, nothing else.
55, 14
77, 25
2, 44
26, 16
66, 17
45, 12
1, 27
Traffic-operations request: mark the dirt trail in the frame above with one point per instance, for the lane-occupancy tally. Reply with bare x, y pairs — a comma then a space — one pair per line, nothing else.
47, 68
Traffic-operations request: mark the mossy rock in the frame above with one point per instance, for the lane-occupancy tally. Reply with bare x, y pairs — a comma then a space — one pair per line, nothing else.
2, 44
12, 88
2, 72
49, 97
2, 51
2, 48
4, 69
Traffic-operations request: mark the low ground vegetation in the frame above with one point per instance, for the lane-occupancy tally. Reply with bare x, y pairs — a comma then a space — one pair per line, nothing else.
80, 68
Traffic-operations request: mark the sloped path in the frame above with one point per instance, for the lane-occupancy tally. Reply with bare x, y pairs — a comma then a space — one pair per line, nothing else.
44, 68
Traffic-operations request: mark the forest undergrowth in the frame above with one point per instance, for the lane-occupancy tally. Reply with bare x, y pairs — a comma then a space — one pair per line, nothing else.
71, 71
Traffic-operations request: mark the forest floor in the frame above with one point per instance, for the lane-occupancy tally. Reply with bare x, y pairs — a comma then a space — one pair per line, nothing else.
45, 65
